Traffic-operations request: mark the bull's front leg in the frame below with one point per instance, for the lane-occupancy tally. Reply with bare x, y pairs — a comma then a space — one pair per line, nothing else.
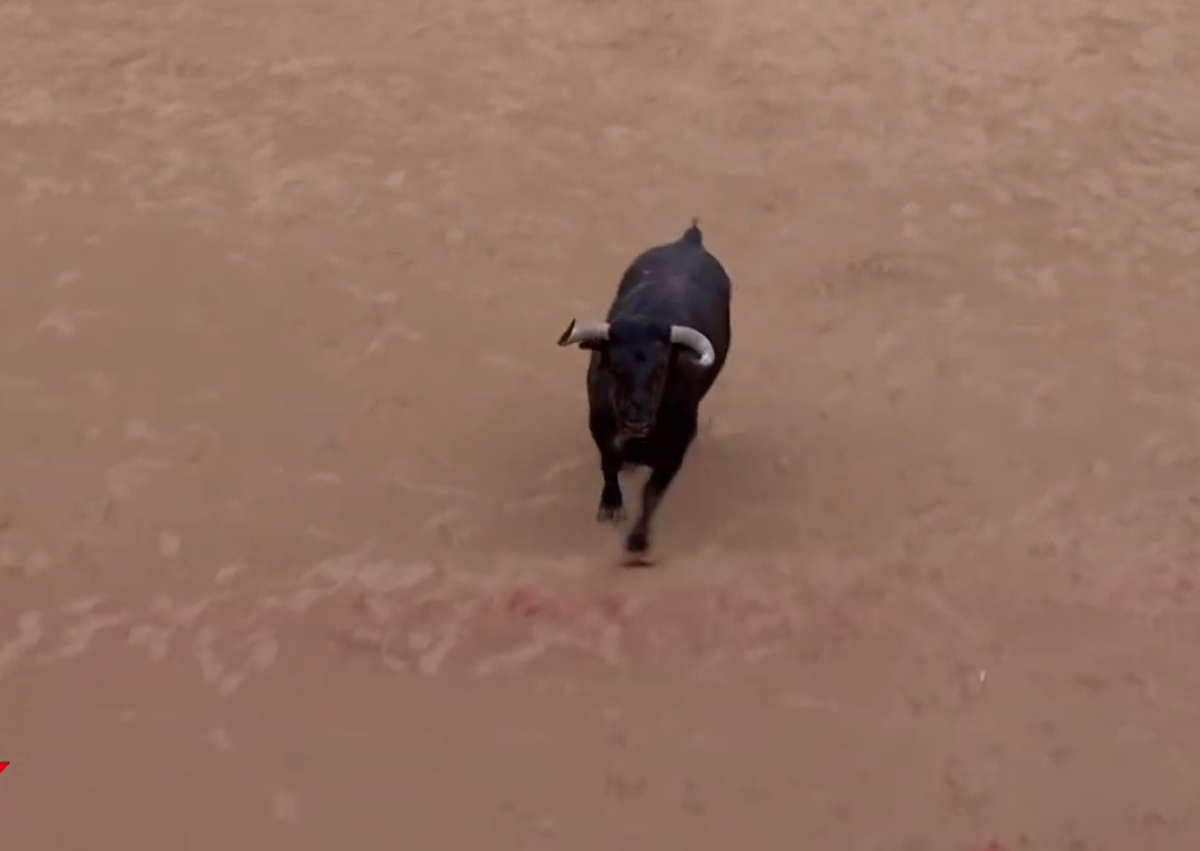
662, 473
612, 503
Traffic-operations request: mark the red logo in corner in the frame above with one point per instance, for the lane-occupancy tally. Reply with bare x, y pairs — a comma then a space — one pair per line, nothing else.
4, 765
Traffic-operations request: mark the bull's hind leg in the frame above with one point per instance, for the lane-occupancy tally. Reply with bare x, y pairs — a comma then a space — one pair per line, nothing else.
662, 473
612, 503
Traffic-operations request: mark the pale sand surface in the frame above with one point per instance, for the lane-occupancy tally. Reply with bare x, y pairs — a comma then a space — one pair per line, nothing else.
297, 538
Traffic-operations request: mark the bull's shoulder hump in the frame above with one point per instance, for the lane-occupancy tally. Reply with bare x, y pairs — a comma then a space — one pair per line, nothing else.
678, 269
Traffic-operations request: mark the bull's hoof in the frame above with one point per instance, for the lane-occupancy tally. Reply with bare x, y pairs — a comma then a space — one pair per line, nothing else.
635, 560
637, 549
608, 513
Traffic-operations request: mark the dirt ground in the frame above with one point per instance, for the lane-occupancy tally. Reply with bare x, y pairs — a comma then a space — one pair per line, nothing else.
297, 536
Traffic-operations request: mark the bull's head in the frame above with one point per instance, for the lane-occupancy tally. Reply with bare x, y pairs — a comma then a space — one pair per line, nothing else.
638, 355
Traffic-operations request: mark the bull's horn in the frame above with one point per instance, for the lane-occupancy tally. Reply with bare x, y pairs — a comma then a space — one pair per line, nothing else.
583, 332
697, 342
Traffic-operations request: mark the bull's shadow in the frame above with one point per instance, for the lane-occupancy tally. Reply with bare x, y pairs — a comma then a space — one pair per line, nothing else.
738, 489
799, 482
794, 484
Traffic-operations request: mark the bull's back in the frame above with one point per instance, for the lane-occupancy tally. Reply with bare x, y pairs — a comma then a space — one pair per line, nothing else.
681, 284
678, 284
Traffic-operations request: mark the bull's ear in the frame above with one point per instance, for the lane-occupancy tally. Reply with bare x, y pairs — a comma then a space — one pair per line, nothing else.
594, 345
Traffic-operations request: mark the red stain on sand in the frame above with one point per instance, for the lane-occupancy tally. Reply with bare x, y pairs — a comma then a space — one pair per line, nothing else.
989, 845
527, 603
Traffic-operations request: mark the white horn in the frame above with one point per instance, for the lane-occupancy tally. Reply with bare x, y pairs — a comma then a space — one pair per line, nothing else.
583, 332
697, 342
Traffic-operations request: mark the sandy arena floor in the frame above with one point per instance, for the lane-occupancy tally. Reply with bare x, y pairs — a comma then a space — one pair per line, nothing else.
297, 537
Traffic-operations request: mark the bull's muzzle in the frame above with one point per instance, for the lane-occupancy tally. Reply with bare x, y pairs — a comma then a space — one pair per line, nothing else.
636, 429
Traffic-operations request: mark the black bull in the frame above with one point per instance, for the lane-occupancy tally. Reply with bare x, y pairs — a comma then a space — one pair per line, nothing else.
653, 360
